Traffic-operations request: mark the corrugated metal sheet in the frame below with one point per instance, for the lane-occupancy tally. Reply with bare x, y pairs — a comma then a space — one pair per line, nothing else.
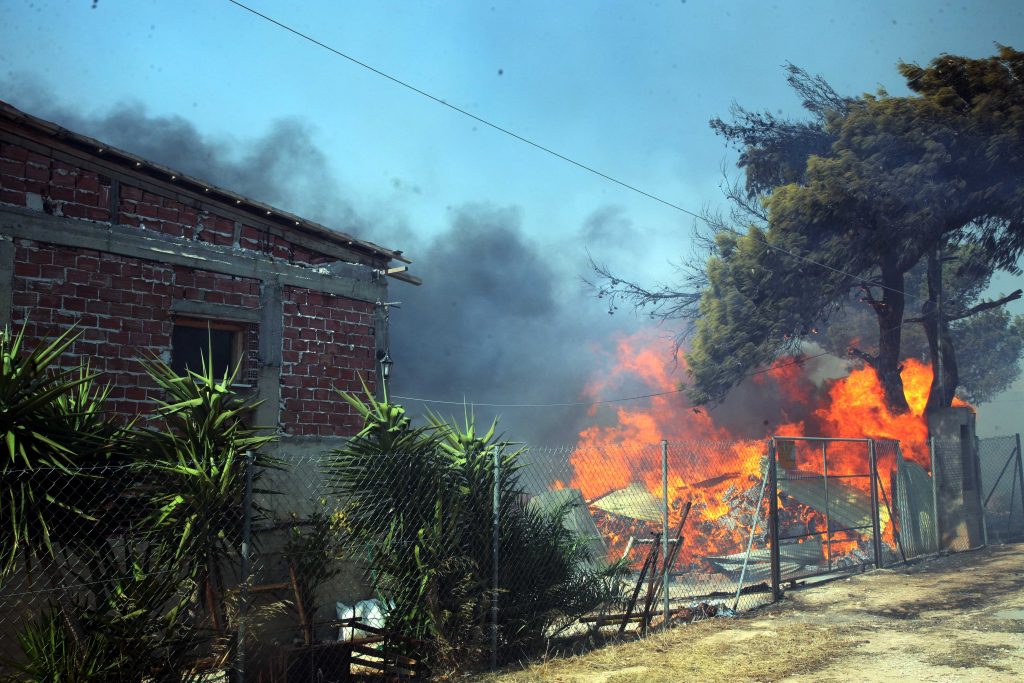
792, 558
577, 521
848, 507
634, 502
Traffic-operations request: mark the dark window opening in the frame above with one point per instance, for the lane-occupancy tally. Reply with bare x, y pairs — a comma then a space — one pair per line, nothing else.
966, 458
225, 343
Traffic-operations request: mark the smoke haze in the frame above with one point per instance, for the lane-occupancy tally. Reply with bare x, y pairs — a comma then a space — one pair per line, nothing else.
500, 318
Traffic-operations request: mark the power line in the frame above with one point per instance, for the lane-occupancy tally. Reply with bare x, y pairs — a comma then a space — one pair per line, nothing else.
548, 150
591, 170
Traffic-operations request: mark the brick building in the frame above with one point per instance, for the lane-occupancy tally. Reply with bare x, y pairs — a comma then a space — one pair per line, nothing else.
149, 261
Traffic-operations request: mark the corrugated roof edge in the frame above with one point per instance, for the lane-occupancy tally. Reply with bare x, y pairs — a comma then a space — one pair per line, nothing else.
140, 165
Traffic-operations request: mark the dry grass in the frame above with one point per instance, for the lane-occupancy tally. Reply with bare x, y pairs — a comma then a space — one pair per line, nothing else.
955, 618
727, 650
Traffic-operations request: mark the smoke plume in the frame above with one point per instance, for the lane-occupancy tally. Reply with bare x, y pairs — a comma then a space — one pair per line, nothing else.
500, 318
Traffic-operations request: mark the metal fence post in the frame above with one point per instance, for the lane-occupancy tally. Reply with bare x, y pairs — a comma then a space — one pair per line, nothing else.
773, 521
1020, 476
935, 494
496, 554
981, 487
664, 531
243, 593
876, 531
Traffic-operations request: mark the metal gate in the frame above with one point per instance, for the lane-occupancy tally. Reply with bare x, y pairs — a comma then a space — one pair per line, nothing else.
823, 507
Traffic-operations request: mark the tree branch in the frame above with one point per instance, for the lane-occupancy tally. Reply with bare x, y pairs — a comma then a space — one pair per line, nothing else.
866, 357
984, 306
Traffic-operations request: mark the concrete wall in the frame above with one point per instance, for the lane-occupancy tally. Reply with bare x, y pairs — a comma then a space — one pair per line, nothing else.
961, 524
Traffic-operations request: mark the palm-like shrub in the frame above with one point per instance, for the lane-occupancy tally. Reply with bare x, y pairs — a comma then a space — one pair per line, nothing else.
194, 464
418, 501
39, 456
51, 653
59, 442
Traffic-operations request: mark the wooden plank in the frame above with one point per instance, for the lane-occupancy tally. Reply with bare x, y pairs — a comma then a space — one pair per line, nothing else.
639, 582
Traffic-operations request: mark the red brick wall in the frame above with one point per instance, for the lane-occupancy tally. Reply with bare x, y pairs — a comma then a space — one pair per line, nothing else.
121, 305
75, 192
328, 344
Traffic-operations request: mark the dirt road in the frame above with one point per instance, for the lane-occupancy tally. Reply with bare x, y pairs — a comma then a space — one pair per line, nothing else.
953, 618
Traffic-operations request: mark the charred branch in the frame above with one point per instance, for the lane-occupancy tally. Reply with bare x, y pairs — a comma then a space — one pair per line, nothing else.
662, 301
864, 356
985, 306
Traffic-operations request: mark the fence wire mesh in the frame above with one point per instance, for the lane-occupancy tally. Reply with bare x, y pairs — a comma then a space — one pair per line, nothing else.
1002, 487
400, 561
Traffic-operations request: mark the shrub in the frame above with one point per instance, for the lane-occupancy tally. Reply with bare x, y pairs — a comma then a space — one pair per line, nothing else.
418, 502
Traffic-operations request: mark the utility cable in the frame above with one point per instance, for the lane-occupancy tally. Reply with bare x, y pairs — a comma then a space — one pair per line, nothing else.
548, 150
589, 169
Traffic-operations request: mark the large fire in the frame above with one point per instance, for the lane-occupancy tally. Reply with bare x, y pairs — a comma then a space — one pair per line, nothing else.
718, 465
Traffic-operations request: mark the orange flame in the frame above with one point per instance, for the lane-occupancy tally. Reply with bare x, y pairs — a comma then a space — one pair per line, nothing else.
718, 469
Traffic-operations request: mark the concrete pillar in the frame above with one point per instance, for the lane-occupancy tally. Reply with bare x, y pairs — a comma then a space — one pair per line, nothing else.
271, 335
6, 280
959, 490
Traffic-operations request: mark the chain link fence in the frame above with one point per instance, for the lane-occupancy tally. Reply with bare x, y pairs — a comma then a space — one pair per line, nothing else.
400, 563
1002, 487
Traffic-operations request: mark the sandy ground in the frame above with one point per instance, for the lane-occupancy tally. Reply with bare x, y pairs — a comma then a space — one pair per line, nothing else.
953, 618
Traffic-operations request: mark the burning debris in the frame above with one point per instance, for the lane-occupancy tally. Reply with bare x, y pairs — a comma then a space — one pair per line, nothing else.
717, 458
633, 502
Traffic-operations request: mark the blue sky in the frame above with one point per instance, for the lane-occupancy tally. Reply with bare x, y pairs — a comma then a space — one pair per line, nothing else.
624, 87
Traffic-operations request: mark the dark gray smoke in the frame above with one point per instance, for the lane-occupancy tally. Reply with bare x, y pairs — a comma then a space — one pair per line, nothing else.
499, 319
283, 167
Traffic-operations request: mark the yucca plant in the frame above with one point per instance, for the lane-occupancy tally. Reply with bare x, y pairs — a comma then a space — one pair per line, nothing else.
419, 502
195, 462
389, 482
546, 576
51, 654
137, 631
39, 456
141, 619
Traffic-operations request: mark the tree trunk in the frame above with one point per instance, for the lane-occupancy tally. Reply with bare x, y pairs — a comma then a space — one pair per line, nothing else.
890, 337
945, 373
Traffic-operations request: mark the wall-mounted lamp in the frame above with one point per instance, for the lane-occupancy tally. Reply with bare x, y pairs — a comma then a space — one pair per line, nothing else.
385, 365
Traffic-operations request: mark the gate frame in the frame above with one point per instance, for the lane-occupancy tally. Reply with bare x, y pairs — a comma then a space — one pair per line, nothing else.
773, 504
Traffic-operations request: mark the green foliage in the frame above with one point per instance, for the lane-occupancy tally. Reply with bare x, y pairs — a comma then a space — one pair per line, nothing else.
141, 517
195, 463
136, 627
314, 551
990, 346
900, 178
37, 437
51, 655
140, 619
418, 500
755, 307
55, 432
